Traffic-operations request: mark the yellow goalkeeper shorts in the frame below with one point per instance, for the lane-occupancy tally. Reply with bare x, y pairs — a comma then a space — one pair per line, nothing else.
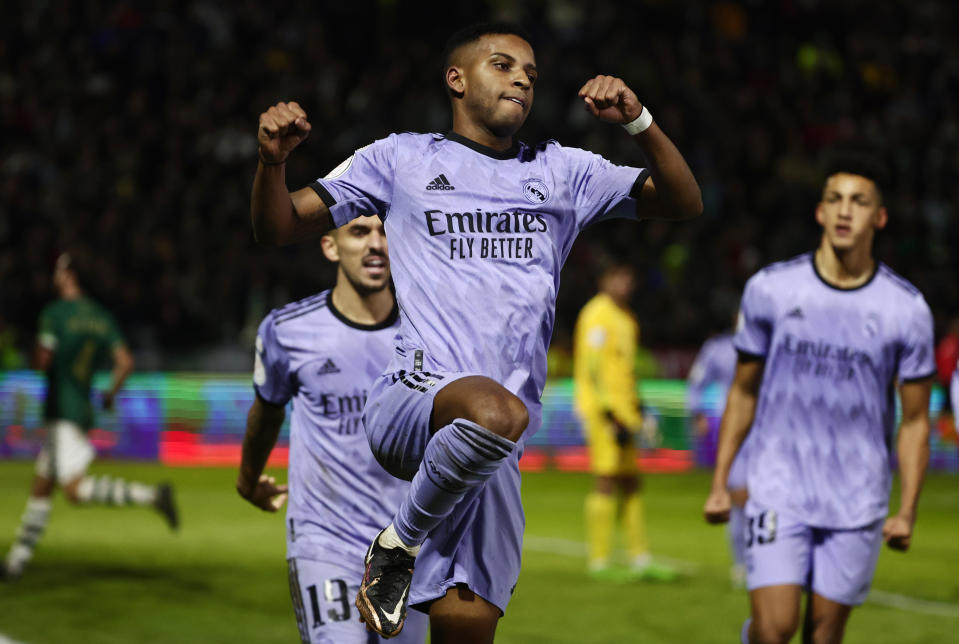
605, 456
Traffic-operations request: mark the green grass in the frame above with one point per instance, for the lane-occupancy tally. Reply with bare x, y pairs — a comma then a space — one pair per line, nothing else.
109, 575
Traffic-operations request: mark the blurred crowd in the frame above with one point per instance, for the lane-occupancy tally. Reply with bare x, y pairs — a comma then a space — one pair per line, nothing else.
128, 131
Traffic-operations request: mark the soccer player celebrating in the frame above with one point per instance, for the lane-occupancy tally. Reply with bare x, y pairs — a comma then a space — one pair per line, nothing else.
479, 226
604, 378
75, 333
715, 365
823, 339
324, 353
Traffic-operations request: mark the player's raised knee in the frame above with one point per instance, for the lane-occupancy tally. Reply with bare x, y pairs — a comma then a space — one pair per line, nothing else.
502, 413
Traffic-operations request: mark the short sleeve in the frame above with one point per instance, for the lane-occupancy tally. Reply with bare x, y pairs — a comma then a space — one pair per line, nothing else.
47, 329
362, 185
698, 380
601, 189
917, 358
271, 366
754, 326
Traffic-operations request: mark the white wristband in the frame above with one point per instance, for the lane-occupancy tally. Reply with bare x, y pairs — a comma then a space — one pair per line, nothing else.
642, 122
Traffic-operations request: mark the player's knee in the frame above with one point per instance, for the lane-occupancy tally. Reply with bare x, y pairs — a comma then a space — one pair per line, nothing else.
503, 414
826, 630
773, 630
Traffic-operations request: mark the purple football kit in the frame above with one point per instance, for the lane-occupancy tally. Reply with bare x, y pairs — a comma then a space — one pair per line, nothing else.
477, 241
819, 472
339, 496
715, 365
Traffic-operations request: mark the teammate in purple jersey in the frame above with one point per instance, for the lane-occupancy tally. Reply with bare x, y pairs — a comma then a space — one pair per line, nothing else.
479, 227
323, 353
823, 340
715, 365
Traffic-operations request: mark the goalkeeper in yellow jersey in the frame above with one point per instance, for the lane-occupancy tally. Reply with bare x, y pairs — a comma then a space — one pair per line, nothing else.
604, 351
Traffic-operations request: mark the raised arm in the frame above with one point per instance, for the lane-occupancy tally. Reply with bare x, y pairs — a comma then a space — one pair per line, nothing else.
913, 450
280, 217
733, 429
263, 424
671, 192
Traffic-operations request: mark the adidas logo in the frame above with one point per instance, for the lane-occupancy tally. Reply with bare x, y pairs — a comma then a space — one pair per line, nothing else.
440, 183
795, 313
328, 367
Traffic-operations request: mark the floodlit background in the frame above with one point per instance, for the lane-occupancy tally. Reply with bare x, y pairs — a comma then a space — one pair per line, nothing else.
128, 129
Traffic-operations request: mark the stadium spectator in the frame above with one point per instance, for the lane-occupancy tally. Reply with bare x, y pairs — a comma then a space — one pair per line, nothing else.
122, 132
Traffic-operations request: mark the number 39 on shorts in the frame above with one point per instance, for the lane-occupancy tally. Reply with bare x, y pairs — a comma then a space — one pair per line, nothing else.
761, 529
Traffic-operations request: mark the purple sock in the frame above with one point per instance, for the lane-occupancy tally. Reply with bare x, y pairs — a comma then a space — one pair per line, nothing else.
459, 457
744, 633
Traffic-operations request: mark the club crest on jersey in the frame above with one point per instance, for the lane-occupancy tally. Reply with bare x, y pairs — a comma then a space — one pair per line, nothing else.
535, 191
328, 367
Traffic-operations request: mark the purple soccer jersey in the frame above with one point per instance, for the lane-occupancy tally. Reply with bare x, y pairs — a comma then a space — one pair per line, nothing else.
340, 497
820, 440
715, 364
477, 241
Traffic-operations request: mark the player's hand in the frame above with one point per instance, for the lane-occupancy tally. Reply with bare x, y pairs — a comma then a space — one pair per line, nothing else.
608, 98
282, 128
897, 532
266, 494
700, 425
717, 506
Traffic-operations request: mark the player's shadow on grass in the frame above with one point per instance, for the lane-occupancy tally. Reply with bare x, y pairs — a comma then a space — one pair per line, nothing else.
145, 578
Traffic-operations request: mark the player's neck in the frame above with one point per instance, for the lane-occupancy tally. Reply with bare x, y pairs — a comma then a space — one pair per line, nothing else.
367, 310
475, 132
70, 292
846, 268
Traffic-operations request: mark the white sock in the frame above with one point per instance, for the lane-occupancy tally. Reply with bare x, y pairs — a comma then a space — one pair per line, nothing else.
389, 539
107, 490
32, 524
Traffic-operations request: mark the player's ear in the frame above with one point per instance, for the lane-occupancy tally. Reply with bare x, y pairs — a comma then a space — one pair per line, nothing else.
820, 219
455, 81
882, 217
330, 250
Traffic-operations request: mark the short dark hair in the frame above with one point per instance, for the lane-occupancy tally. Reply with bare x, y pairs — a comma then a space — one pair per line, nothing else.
863, 163
472, 33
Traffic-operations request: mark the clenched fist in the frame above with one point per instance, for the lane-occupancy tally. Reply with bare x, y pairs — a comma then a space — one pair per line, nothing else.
282, 128
609, 99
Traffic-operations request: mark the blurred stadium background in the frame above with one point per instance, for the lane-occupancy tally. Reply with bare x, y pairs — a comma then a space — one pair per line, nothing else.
127, 129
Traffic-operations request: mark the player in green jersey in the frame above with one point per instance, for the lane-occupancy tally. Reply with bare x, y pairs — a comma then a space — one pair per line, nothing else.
75, 334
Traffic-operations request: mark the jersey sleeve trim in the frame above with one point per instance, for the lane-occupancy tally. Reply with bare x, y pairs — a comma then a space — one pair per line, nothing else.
637, 188
918, 378
746, 356
47, 341
323, 194
280, 402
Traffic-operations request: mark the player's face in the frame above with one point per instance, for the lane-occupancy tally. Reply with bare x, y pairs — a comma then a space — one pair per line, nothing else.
851, 211
361, 250
499, 72
619, 283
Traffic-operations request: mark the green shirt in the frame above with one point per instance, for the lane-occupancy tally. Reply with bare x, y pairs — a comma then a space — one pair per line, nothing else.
81, 335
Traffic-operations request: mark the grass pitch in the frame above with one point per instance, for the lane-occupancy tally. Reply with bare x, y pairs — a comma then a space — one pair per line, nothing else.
117, 575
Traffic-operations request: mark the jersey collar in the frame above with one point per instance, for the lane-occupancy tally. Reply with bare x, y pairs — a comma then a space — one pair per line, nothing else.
385, 324
502, 155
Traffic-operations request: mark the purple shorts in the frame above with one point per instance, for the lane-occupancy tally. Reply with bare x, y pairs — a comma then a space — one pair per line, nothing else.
322, 594
479, 544
836, 564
